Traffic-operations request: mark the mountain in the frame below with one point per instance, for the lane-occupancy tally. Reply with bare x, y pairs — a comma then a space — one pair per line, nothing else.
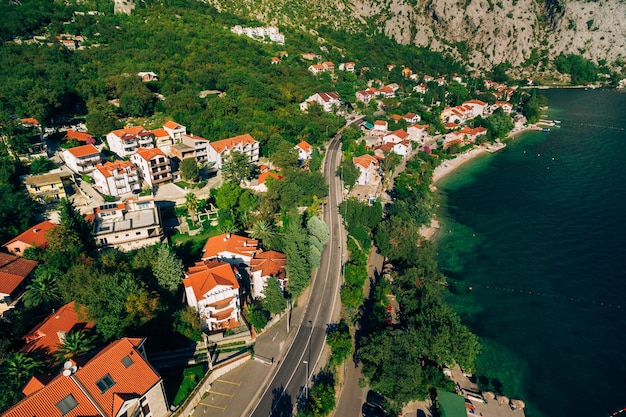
483, 32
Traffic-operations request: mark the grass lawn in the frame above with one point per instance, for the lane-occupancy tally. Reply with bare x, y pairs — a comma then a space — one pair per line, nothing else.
178, 387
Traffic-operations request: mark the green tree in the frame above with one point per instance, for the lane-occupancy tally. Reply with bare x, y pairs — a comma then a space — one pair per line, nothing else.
284, 155
227, 196
22, 366
187, 323
41, 165
17, 212
273, 300
75, 343
340, 342
168, 269
256, 316
191, 204
348, 172
264, 231
43, 290
237, 168
296, 250
189, 169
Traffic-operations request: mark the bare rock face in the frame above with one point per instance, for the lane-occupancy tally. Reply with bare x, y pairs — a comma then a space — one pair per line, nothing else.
483, 32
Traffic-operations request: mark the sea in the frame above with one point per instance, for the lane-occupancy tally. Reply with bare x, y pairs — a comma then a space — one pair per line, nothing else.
533, 242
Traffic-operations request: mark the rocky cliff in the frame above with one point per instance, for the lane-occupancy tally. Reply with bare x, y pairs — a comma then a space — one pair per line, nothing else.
488, 32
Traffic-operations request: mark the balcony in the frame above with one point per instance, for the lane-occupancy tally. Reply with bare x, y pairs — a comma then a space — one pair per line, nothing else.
94, 160
161, 170
162, 179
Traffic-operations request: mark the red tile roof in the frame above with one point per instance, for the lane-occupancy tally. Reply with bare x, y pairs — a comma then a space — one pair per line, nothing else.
130, 382
35, 236
85, 150
79, 136
206, 275
226, 144
30, 120
270, 263
108, 167
263, 177
134, 130
148, 154
226, 242
13, 271
305, 146
380, 123
330, 96
365, 161
172, 125
398, 133
45, 337
159, 133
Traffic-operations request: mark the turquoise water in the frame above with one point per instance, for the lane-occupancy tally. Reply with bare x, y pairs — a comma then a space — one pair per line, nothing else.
538, 231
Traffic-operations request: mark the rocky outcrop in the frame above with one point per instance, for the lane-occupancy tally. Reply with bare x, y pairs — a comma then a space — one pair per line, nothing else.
487, 32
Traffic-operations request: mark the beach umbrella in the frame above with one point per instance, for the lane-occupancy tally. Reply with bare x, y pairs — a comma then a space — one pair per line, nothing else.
489, 395
518, 404
503, 400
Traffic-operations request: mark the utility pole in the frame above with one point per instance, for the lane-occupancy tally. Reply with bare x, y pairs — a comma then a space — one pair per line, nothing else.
306, 380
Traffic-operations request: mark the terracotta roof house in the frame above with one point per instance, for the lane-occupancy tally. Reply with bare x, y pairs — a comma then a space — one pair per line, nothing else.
175, 130
265, 265
115, 178
412, 117
31, 238
304, 150
162, 139
259, 184
15, 272
380, 127
212, 288
368, 169
396, 136
220, 150
234, 249
125, 142
82, 159
154, 166
45, 337
117, 382
326, 100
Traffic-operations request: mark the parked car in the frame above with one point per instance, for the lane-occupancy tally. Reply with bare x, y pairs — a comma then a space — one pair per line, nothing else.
371, 410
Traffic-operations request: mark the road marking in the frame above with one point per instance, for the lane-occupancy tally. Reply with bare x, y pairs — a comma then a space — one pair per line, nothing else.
220, 393
214, 406
228, 382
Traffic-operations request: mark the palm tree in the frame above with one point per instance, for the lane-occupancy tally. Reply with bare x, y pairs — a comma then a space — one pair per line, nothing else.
21, 366
74, 344
262, 230
191, 204
42, 291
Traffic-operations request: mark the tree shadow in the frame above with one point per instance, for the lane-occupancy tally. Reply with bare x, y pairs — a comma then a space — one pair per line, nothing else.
282, 404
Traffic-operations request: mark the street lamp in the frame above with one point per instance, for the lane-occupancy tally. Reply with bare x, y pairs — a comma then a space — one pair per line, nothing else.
306, 380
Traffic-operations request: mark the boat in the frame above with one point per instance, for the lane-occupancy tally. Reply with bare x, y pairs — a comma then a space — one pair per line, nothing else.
545, 129
557, 122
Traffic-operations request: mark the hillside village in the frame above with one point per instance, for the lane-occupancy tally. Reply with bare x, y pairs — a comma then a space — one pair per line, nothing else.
137, 189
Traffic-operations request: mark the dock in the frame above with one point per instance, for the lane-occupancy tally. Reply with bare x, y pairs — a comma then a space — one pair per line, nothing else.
496, 147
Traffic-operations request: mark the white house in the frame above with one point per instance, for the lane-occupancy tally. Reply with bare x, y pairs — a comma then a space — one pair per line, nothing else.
420, 88
154, 166
326, 100
115, 178
15, 274
401, 148
417, 132
380, 127
147, 76
412, 118
304, 151
128, 226
212, 289
368, 169
82, 159
264, 266
504, 105
175, 130
396, 136
316, 68
220, 150
125, 142
366, 95
478, 107
230, 248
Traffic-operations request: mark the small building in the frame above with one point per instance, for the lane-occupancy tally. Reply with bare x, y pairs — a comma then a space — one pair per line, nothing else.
15, 273
128, 226
35, 237
380, 127
118, 381
82, 159
44, 338
304, 151
154, 166
148, 76
175, 130
396, 136
327, 100
83, 137
264, 266
116, 178
212, 289
220, 150
368, 169
49, 187
412, 118
451, 404
198, 145
162, 139
230, 248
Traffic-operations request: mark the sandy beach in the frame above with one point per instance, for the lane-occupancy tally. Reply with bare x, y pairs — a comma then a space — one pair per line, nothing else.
450, 165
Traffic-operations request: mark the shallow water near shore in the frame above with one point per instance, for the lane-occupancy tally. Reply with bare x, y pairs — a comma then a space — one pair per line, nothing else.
538, 232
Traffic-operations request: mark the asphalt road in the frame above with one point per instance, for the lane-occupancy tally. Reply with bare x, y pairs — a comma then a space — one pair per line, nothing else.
286, 388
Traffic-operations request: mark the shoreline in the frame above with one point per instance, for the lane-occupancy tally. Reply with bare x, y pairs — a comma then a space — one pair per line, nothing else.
450, 165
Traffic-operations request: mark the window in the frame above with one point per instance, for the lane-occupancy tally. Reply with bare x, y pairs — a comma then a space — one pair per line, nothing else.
67, 404
127, 361
105, 383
